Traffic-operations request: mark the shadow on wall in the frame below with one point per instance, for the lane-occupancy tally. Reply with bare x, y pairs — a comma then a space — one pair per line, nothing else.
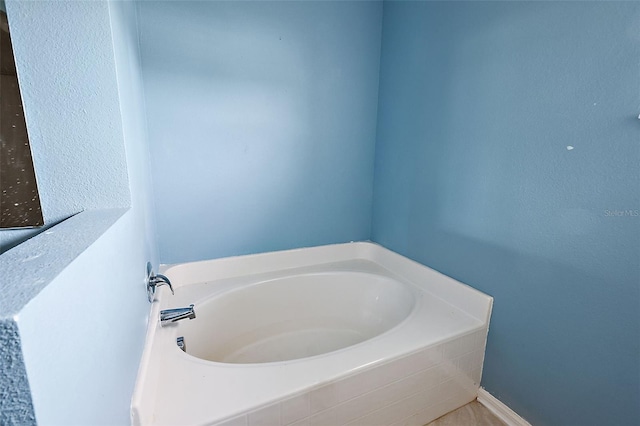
15, 238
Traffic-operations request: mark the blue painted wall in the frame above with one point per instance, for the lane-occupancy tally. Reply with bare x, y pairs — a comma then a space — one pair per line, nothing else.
508, 157
82, 335
262, 119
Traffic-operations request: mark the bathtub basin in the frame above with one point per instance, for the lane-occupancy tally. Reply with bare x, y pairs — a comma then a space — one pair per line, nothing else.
296, 316
348, 334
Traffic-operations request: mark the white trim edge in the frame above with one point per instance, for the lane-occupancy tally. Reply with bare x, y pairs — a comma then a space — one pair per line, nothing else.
500, 410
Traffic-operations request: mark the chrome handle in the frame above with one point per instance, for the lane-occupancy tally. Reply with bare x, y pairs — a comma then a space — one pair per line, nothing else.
159, 279
154, 281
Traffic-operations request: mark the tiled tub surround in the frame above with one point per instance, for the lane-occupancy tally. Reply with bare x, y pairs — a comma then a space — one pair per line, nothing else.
427, 365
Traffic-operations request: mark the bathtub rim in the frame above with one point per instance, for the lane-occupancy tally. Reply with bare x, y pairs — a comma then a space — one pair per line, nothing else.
452, 291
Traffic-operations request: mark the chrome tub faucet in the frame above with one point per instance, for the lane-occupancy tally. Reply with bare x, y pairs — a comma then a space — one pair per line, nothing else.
168, 316
154, 281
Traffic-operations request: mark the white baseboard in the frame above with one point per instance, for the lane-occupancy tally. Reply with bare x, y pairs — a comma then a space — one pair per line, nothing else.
500, 410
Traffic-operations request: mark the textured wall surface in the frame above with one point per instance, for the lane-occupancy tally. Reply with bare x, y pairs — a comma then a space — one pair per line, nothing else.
29, 267
15, 397
82, 366
261, 122
76, 291
507, 158
70, 110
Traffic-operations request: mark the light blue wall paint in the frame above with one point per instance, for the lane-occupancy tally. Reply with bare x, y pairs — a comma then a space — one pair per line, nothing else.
261, 122
82, 335
74, 110
124, 24
479, 102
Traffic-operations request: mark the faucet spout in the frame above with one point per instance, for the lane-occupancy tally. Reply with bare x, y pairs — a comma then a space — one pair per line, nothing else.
168, 316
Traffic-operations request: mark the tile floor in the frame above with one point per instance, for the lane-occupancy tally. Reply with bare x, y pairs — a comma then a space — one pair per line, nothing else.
472, 414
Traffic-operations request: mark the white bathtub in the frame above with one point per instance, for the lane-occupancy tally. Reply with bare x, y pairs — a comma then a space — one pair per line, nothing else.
344, 334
